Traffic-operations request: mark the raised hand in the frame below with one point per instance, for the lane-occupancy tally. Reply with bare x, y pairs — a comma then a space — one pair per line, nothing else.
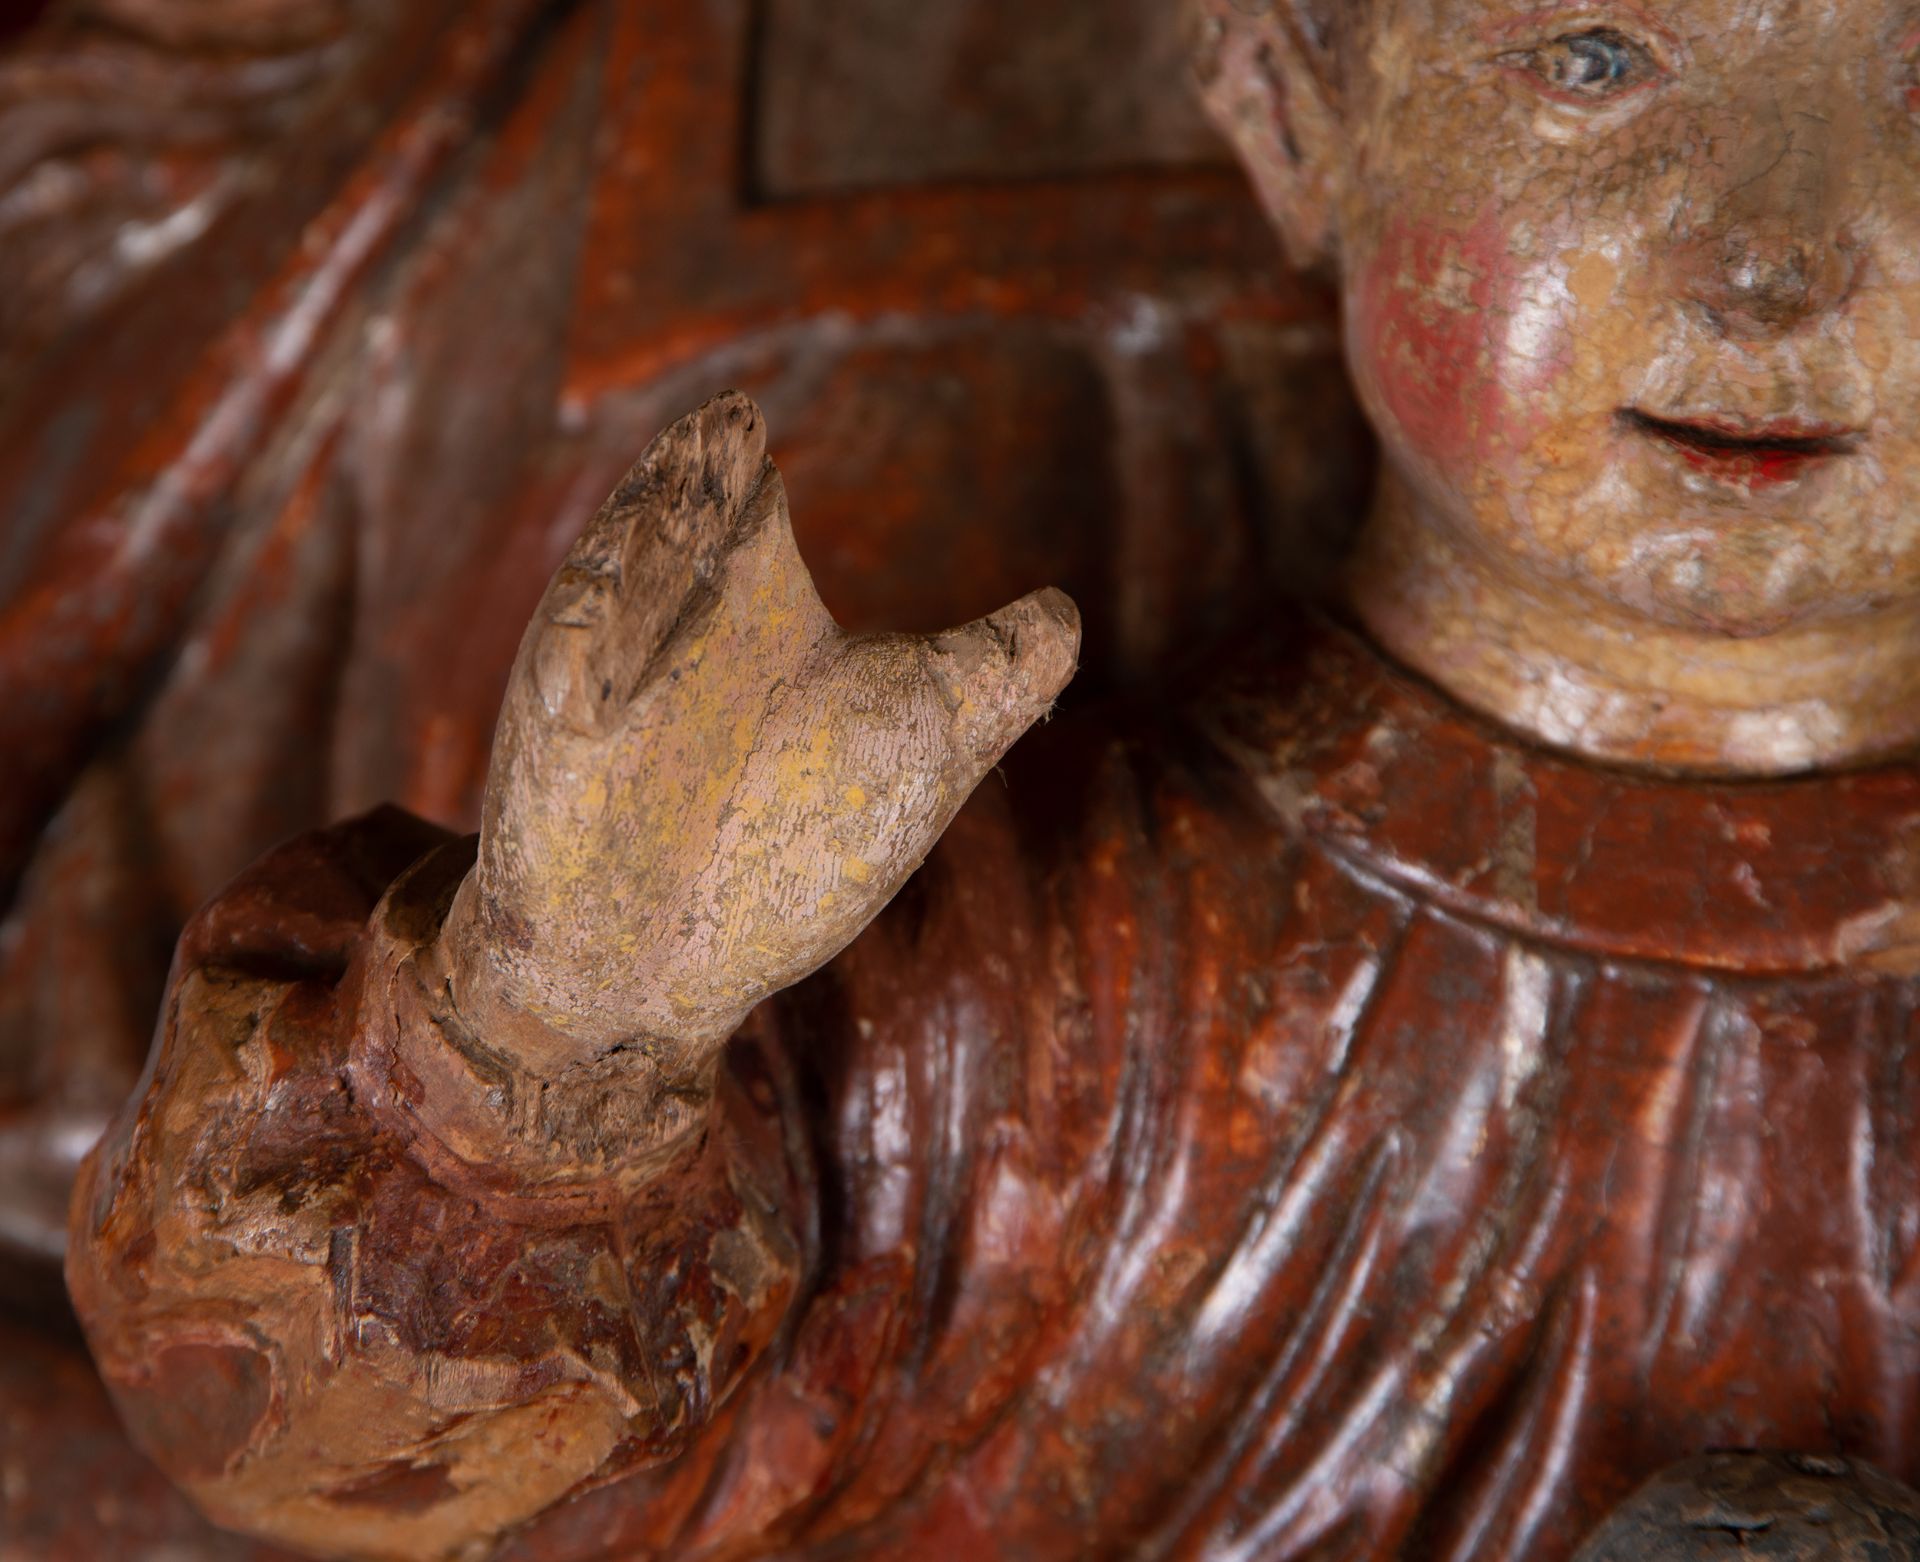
702, 788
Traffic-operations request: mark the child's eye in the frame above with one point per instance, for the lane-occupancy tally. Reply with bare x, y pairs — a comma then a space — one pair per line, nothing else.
1593, 64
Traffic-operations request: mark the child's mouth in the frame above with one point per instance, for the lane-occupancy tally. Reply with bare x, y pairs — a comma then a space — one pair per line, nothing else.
1748, 455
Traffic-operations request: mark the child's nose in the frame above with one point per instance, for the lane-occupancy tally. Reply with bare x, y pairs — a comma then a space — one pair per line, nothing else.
1759, 281
1773, 251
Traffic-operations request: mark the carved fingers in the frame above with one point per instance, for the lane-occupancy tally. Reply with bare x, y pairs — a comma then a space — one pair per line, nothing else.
861, 769
703, 502
702, 788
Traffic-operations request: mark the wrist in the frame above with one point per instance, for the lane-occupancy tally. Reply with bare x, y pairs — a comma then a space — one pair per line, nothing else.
492, 1099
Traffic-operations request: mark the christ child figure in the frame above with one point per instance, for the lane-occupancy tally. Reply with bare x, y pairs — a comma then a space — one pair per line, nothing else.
1429, 1069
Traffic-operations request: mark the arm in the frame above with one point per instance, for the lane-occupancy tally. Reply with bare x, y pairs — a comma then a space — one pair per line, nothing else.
383, 1262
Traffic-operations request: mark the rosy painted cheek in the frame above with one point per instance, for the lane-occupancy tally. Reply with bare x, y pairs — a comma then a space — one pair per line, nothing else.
1441, 328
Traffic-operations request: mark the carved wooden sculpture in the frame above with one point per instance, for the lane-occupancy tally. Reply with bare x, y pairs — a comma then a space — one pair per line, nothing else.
1327, 1111
537, 1070
352, 313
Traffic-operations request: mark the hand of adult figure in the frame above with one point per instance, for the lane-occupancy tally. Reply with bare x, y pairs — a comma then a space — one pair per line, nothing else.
702, 787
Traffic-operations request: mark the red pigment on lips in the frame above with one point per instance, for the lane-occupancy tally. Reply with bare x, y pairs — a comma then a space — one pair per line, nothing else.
1758, 469
1761, 467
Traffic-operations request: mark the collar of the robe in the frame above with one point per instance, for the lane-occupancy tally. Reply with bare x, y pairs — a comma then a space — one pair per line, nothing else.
1816, 873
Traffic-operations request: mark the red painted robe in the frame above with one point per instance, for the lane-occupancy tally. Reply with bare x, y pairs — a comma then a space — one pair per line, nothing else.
1306, 1122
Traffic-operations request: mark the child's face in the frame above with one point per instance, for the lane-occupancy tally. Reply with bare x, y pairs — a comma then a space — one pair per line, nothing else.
1633, 293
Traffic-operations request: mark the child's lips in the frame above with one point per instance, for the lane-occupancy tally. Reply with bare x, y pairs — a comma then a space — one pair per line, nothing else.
1747, 453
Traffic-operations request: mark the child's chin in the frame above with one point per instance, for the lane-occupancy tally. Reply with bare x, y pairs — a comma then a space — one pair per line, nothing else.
1729, 603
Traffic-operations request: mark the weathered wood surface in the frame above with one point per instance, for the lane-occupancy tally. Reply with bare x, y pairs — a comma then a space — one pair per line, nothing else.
1273, 1126
1786, 1507
280, 499
1293, 1117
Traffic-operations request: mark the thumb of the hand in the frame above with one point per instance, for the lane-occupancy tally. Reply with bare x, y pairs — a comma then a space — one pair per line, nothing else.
1000, 674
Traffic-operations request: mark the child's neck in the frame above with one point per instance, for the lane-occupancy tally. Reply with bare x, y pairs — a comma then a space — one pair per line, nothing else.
1614, 687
